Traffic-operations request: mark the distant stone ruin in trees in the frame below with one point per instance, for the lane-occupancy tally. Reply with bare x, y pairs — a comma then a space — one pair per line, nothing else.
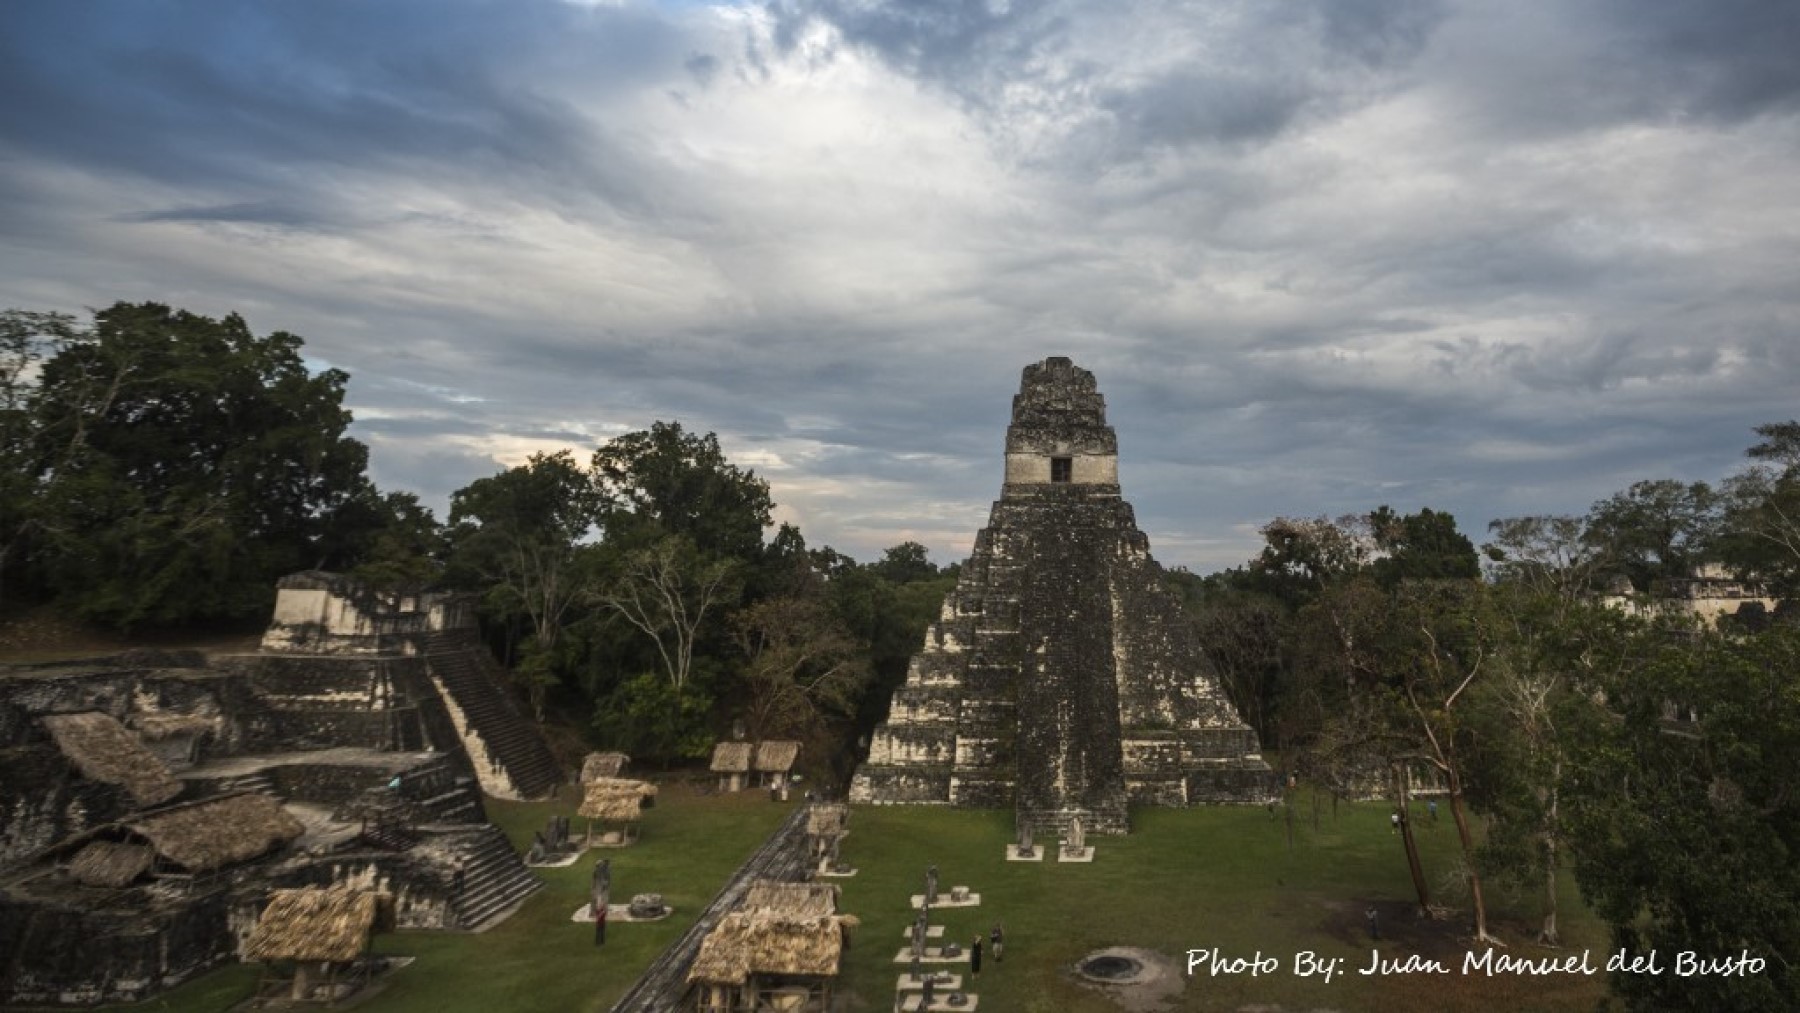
1061, 677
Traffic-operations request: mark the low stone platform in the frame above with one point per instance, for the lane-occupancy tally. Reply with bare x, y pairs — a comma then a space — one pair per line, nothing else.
933, 955
1012, 854
941, 1001
944, 899
557, 861
1075, 854
945, 981
616, 914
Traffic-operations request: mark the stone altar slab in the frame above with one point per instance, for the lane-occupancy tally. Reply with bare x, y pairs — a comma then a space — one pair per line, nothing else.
945, 900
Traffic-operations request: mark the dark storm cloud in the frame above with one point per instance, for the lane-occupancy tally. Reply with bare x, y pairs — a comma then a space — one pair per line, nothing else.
1254, 68
278, 96
1725, 58
1537, 69
244, 212
955, 41
1189, 107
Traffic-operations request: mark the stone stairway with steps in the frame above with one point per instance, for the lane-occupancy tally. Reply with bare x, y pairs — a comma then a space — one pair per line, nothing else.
494, 880
389, 838
461, 804
257, 782
511, 738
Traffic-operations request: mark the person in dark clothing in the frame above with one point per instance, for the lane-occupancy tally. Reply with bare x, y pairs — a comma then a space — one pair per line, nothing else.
998, 939
975, 958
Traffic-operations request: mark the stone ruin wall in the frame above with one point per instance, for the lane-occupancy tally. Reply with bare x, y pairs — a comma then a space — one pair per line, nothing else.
182, 714
339, 674
327, 613
85, 955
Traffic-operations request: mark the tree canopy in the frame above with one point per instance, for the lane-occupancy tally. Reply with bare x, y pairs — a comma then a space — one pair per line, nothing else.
170, 466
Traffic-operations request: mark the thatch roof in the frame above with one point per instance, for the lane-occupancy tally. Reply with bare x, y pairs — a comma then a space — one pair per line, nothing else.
218, 832
103, 750
610, 804
731, 757
828, 820
747, 943
797, 900
624, 786
776, 756
598, 765
314, 924
105, 863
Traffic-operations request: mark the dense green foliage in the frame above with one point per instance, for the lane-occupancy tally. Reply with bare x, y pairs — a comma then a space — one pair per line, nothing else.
1686, 821
1566, 699
637, 595
163, 466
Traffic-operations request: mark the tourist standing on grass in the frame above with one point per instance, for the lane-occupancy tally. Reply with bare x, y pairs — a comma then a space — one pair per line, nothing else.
1394, 822
975, 957
998, 938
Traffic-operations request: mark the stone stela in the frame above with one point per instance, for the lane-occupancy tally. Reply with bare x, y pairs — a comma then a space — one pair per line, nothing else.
1061, 677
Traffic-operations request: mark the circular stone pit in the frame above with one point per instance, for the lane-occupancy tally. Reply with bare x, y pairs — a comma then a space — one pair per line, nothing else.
1110, 968
1137, 979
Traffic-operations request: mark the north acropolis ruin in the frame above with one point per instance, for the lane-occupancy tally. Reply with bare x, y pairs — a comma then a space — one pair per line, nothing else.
1062, 678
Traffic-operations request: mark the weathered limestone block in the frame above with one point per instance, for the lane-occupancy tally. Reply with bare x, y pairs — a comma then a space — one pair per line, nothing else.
979, 753
912, 745
901, 785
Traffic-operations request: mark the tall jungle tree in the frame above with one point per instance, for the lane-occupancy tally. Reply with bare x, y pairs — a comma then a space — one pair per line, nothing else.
175, 465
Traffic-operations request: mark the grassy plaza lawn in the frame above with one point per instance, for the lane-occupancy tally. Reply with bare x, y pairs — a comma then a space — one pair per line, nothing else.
1219, 877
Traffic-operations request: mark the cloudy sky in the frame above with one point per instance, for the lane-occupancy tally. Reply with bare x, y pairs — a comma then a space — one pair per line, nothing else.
1494, 258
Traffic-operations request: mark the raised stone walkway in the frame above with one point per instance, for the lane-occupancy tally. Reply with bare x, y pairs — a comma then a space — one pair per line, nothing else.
783, 856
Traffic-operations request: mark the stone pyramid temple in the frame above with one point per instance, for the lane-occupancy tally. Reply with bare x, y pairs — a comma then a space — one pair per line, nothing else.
1062, 678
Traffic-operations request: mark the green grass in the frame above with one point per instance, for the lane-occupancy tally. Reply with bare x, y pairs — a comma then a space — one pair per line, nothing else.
1192, 879
1183, 879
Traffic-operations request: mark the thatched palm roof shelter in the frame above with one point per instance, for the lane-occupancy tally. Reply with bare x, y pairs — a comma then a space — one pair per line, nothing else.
796, 900
104, 750
776, 756
750, 943
610, 804
598, 765
314, 924
107, 863
644, 790
731, 757
218, 832
617, 810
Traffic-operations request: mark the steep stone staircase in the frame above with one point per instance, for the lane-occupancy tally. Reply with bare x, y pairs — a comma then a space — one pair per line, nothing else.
466, 669
257, 781
494, 880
